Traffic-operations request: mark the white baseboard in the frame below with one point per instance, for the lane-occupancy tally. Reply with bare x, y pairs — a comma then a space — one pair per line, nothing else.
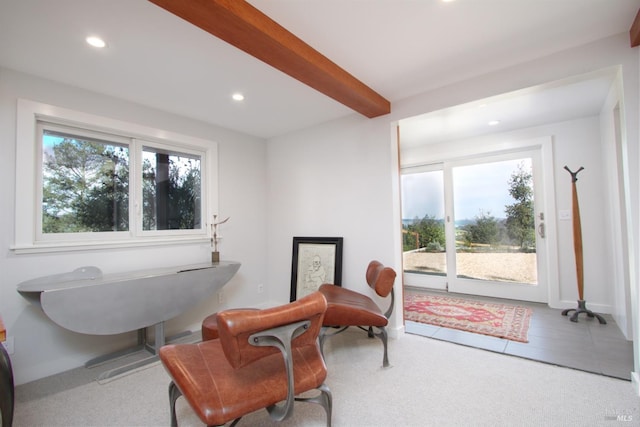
396, 332
635, 382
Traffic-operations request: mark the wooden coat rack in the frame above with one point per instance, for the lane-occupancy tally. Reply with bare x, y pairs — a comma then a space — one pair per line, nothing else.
577, 248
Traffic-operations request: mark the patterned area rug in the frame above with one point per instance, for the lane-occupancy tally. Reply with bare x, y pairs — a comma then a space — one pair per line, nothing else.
499, 320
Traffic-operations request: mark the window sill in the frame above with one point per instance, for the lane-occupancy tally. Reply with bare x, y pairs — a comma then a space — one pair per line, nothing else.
59, 247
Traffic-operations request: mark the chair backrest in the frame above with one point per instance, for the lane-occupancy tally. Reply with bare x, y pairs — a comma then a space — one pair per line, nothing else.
380, 278
236, 326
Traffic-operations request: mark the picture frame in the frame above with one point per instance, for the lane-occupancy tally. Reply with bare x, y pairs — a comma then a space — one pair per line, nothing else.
315, 261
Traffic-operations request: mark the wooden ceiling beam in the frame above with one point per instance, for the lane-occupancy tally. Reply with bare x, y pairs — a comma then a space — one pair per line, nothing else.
245, 27
634, 32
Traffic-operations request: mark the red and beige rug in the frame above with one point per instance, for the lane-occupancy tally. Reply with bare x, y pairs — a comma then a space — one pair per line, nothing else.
499, 320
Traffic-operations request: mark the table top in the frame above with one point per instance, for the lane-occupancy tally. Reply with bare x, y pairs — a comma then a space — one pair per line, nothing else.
3, 331
92, 276
88, 302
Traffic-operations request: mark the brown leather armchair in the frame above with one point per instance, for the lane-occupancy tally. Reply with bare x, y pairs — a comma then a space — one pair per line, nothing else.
243, 370
348, 308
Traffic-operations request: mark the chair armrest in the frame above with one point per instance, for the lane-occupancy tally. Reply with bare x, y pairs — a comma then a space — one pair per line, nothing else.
281, 338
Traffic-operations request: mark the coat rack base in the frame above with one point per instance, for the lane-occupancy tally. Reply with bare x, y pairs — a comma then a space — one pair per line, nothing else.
582, 308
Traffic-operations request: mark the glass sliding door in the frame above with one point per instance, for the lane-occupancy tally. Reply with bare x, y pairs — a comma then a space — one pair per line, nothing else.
423, 227
476, 226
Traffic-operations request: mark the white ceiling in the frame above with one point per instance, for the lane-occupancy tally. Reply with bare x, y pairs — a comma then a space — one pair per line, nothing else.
553, 102
397, 47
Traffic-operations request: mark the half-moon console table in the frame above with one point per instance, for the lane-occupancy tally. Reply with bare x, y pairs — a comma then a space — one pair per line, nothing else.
88, 302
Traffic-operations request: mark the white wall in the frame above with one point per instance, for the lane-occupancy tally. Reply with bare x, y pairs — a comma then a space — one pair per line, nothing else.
338, 178
575, 143
332, 181
41, 347
615, 204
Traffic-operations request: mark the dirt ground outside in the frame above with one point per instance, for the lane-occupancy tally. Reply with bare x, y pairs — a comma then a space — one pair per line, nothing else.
507, 267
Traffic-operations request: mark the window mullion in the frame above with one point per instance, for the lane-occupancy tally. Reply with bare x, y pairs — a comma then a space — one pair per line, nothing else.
135, 190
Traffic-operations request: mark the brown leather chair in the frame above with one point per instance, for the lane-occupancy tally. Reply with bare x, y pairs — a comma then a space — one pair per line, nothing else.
348, 308
261, 358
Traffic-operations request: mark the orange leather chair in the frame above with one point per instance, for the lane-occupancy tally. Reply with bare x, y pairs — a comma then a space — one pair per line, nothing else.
260, 358
348, 308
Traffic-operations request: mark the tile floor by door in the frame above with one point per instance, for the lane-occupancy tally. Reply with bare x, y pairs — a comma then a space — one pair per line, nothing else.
585, 345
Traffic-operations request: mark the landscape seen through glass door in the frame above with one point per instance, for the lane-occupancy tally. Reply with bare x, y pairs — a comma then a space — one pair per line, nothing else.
487, 234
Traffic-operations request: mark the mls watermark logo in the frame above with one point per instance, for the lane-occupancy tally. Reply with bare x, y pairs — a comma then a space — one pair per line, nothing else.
624, 415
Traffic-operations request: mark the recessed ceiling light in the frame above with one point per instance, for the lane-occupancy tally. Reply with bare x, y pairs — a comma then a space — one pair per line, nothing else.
238, 97
96, 41
494, 122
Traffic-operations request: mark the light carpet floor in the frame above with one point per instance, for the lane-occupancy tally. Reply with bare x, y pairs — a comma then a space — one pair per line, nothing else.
430, 383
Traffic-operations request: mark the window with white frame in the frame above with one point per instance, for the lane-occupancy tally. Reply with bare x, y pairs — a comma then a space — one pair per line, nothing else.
102, 182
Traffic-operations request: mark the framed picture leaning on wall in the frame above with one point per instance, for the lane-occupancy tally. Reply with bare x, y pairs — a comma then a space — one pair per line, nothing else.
315, 261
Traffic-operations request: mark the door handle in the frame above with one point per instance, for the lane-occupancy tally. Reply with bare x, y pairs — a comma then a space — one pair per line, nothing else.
541, 229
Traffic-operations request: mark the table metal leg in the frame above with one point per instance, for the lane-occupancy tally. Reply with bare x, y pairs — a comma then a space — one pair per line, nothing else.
142, 346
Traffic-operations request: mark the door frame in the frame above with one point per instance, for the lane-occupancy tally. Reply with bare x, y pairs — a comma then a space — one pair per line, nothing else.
547, 175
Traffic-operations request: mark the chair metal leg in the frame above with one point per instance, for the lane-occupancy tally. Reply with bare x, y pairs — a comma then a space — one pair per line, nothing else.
370, 333
323, 335
235, 422
383, 337
321, 339
327, 402
324, 399
174, 394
